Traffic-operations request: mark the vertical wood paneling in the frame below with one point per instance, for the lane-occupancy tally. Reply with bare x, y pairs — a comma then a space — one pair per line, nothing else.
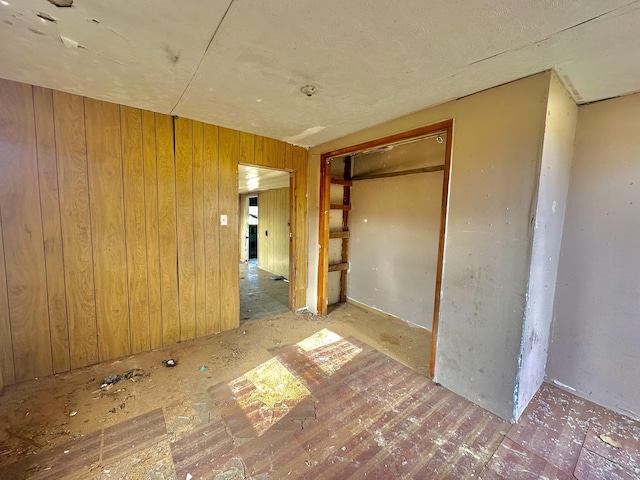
198, 226
184, 206
282, 155
212, 229
273, 249
51, 228
288, 156
22, 229
110, 236
136, 240
151, 221
258, 155
247, 148
271, 151
167, 229
76, 228
104, 158
6, 345
300, 233
229, 261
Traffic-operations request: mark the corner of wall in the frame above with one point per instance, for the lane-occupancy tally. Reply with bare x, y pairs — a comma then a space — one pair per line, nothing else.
547, 220
313, 196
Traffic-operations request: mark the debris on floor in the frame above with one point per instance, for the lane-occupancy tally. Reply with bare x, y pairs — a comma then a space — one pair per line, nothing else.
204, 368
277, 278
110, 380
136, 372
169, 363
610, 441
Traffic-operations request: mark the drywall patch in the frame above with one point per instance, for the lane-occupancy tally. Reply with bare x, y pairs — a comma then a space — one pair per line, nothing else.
304, 134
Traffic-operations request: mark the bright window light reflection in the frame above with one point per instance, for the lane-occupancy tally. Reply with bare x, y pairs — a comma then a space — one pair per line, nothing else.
268, 392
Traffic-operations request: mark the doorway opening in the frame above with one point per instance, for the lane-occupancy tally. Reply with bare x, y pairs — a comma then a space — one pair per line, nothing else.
374, 220
265, 210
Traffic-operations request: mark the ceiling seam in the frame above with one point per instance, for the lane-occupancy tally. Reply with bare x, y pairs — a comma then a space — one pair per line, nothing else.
204, 54
529, 44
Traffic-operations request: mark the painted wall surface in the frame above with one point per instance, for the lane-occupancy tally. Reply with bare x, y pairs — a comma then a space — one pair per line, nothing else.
273, 231
555, 165
594, 341
393, 251
110, 235
497, 144
395, 228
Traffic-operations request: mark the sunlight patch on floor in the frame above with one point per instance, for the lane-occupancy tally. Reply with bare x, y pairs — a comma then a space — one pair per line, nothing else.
267, 393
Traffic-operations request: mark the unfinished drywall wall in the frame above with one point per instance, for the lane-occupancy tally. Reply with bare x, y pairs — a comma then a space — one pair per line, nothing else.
497, 145
550, 204
273, 231
395, 227
594, 342
110, 235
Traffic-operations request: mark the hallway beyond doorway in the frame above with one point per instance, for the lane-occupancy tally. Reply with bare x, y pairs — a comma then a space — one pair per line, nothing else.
261, 297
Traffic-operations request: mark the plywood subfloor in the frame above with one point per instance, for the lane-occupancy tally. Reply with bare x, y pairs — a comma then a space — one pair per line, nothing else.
298, 397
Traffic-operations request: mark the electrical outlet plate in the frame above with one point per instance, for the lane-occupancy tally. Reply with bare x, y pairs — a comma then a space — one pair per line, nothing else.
223, 219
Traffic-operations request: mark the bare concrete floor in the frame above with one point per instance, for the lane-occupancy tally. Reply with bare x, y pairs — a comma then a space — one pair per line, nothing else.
38, 415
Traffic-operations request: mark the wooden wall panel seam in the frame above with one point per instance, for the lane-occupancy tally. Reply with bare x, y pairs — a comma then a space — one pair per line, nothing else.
198, 228
124, 221
8, 347
59, 207
47, 265
104, 149
75, 228
93, 259
151, 220
24, 248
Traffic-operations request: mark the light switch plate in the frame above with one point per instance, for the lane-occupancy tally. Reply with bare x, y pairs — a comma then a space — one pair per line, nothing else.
223, 219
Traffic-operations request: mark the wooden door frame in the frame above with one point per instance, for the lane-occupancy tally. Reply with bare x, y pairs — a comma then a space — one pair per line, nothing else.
324, 211
293, 238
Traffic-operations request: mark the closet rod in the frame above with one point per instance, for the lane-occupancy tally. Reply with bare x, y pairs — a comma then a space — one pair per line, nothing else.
435, 168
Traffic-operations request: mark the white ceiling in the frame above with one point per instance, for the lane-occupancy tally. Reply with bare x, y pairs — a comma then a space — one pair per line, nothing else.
256, 179
241, 63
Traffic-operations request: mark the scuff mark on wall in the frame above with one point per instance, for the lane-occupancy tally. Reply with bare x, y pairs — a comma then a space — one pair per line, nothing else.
174, 57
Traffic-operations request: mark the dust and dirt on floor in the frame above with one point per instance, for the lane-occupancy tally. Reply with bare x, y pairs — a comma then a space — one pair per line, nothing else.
47, 412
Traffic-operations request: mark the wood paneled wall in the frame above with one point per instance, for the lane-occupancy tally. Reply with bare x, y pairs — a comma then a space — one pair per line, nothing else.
270, 153
110, 236
273, 231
